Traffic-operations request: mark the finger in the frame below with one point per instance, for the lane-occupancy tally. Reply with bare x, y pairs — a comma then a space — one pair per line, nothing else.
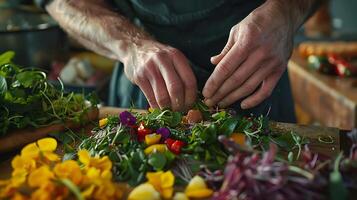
173, 83
159, 88
264, 91
217, 58
230, 62
247, 87
187, 76
249, 66
146, 88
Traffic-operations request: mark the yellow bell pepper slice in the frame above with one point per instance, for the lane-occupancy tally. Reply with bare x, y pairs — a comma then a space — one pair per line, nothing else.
103, 122
155, 148
152, 139
180, 196
144, 191
197, 188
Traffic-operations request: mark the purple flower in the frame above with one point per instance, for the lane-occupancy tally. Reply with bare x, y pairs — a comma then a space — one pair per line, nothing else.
127, 118
164, 132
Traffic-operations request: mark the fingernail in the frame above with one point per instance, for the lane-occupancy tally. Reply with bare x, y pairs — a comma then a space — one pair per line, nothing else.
244, 105
209, 102
221, 104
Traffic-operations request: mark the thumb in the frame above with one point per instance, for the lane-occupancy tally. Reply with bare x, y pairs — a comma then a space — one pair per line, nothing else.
217, 58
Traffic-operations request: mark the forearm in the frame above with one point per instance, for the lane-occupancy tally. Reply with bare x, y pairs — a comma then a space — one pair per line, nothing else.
296, 11
98, 28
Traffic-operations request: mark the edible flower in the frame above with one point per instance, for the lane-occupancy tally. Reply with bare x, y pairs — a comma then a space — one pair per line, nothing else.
152, 139
39, 174
101, 163
69, 169
103, 122
163, 182
164, 132
155, 148
127, 118
43, 147
197, 188
238, 138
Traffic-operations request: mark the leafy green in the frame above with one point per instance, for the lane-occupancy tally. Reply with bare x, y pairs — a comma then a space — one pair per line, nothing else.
228, 126
157, 161
6, 57
29, 100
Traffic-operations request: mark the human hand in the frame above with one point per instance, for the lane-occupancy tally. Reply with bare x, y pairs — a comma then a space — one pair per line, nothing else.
163, 74
253, 60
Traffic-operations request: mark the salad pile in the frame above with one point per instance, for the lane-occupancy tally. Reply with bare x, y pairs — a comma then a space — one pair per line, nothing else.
27, 99
138, 143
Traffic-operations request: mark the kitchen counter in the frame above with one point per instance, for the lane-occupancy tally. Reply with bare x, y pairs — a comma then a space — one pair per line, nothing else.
328, 100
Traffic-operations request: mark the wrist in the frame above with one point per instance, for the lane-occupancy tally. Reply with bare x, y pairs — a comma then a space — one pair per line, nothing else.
295, 12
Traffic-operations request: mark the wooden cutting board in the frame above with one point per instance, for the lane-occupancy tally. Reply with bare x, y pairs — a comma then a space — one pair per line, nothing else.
313, 133
19, 138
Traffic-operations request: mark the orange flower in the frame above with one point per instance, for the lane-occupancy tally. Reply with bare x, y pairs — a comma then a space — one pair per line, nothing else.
69, 169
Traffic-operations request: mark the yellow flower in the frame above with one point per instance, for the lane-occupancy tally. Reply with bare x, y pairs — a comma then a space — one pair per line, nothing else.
23, 163
98, 186
103, 122
197, 188
103, 163
30, 151
144, 191
88, 191
18, 177
105, 190
6, 188
155, 148
50, 190
163, 182
69, 169
40, 176
44, 147
18, 196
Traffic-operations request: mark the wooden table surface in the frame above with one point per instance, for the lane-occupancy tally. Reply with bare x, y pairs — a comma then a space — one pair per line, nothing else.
328, 100
313, 133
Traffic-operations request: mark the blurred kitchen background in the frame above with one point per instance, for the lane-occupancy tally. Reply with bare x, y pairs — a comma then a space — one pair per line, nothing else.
322, 68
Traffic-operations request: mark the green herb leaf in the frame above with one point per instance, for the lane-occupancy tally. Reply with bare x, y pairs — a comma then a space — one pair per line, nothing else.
157, 161
6, 57
228, 126
30, 78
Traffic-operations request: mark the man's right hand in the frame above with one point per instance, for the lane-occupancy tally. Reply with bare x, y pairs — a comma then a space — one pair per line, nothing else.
163, 74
